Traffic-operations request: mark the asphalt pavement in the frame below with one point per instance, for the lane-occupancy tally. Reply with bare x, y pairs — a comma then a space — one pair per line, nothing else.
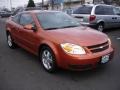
20, 70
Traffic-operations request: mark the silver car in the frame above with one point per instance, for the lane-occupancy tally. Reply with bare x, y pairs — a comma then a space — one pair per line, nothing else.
100, 16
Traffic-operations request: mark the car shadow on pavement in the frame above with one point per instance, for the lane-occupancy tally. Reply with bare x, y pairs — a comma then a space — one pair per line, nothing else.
78, 75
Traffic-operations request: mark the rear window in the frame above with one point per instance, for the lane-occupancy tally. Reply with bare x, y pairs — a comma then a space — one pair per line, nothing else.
83, 10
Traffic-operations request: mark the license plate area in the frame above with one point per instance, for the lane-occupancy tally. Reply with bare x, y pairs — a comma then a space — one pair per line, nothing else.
105, 59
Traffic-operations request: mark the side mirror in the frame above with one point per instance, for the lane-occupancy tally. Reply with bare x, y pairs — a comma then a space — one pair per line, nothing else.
30, 27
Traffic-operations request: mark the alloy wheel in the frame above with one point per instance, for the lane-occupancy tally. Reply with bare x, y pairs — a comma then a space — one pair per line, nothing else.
100, 27
9, 40
47, 59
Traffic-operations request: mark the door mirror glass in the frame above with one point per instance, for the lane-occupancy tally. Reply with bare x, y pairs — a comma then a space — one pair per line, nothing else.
30, 27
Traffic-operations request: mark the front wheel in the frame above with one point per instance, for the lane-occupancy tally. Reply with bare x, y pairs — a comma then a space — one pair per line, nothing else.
10, 42
47, 58
100, 27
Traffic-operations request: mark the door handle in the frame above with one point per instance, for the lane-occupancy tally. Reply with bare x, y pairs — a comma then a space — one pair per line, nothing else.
114, 17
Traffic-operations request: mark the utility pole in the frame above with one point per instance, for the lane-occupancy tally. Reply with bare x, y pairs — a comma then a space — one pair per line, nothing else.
93, 1
42, 3
11, 4
70, 4
52, 4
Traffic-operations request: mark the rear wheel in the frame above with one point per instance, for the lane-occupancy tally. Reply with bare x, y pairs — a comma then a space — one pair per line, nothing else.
47, 58
10, 42
100, 27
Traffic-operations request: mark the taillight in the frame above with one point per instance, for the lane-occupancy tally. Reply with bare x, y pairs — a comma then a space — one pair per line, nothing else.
92, 18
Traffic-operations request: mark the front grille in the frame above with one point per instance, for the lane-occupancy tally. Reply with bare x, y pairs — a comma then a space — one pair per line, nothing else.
99, 47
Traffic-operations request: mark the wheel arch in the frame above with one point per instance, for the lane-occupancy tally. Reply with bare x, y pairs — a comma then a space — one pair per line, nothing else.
101, 22
52, 46
8, 31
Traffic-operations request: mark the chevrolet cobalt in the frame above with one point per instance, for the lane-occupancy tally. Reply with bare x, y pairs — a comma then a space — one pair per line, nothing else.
59, 40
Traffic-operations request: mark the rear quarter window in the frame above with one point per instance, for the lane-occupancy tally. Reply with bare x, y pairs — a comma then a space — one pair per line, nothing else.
83, 10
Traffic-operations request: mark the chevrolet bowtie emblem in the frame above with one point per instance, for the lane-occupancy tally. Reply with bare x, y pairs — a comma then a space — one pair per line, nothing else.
101, 47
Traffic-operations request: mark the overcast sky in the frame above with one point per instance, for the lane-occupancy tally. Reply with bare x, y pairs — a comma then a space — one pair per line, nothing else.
15, 3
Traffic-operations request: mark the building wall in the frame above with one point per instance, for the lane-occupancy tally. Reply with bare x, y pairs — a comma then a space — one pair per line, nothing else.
72, 0
73, 3
88, 1
98, 1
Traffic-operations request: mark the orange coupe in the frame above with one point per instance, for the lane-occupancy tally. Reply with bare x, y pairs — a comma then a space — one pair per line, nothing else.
59, 40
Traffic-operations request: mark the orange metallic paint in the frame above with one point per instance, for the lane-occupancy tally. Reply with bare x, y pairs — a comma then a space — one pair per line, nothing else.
83, 36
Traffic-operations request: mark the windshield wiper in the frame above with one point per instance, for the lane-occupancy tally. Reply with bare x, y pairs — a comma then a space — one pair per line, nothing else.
51, 28
69, 26
59, 27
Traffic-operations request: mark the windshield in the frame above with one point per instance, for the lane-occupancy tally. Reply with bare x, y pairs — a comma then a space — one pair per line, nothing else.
55, 20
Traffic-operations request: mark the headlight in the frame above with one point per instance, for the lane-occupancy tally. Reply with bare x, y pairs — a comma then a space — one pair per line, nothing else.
72, 48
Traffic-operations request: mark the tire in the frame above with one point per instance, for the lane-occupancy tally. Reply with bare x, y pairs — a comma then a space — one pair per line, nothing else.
48, 60
10, 42
100, 27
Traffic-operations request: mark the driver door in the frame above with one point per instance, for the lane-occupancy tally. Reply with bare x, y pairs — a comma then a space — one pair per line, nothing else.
28, 38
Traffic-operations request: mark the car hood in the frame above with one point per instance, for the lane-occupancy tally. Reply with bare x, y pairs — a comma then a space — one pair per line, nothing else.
83, 36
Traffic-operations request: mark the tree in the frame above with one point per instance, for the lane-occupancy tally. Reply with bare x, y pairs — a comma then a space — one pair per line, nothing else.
31, 3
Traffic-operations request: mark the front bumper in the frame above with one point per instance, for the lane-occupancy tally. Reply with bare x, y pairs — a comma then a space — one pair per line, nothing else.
84, 62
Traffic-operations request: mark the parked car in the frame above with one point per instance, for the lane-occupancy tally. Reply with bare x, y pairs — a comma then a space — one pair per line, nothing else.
100, 16
59, 40
18, 10
68, 11
5, 14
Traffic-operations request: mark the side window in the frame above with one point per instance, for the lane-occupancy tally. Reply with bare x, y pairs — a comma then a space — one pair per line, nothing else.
99, 10
104, 10
26, 19
108, 10
16, 18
